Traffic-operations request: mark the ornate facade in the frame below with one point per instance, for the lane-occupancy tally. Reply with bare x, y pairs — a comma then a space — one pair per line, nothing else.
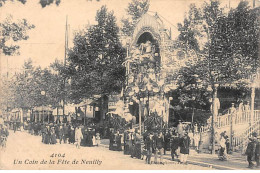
151, 62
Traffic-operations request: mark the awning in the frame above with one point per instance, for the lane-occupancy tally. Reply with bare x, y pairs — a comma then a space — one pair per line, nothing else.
42, 108
60, 112
86, 102
16, 110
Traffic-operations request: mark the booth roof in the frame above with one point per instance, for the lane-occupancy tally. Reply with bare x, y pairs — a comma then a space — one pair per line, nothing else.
16, 110
42, 108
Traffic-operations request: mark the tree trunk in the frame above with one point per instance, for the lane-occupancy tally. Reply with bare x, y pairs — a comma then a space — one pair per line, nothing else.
214, 115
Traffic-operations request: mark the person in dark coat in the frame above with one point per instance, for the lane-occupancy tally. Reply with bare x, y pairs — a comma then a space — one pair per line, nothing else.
65, 133
44, 132
89, 138
118, 141
39, 128
167, 137
47, 135
126, 146
14, 127
257, 152
61, 134
159, 143
72, 135
174, 145
184, 148
69, 129
133, 134
57, 129
111, 140
250, 151
137, 145
52, 136
149, 148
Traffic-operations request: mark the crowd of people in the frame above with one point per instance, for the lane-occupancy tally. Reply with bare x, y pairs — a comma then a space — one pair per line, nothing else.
155, 144
178, 141
4, 133
65, 133
150, 144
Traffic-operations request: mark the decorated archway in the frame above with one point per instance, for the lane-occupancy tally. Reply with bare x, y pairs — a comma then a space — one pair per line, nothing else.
151, 59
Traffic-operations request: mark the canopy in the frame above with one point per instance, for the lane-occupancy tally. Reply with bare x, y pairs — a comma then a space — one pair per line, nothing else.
42, 108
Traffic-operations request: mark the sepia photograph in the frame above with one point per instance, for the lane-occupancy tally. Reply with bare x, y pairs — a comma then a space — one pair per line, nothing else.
129, 85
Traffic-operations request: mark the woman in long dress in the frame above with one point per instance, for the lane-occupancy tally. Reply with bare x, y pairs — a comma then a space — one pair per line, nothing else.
47, 135
223, 150
78, 137
72, 135
52, 136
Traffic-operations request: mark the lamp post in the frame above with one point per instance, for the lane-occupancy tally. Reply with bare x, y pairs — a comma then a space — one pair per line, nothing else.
170, 99
43, 93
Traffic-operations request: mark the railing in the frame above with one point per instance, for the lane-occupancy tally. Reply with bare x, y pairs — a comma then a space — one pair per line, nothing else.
240, 142
238, 118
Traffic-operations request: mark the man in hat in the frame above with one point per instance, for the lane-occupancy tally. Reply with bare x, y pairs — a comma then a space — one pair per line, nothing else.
257, 152
118, 137
149, 148
60, 133
159, 143
250, 150
137, 142
174, 144
65, 133
180, 128
167, 138
184, 148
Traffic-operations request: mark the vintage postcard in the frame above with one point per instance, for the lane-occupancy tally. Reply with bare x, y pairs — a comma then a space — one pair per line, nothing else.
129, 85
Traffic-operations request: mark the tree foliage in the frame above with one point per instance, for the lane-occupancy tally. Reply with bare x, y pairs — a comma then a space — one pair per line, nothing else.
45, 3
230, 50
227, 46
25, 88
2, 2
12, 32
95, 61
135, 9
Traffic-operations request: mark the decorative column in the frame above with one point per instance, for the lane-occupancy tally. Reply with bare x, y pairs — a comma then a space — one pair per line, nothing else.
140, 116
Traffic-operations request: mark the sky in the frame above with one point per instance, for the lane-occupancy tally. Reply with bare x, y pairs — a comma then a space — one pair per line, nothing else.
46, 41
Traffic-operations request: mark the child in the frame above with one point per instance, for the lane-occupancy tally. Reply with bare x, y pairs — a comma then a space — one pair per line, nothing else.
98, 139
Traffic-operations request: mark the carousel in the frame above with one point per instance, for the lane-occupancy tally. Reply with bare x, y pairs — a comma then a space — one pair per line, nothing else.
152, 59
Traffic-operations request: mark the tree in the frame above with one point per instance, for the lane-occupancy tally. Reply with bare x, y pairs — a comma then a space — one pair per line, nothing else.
13, 31
25, 87
3, 1
135, 10
224, 55
45, 3
95, 61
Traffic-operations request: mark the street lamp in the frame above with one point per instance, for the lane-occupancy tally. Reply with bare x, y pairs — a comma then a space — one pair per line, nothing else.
43, 93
